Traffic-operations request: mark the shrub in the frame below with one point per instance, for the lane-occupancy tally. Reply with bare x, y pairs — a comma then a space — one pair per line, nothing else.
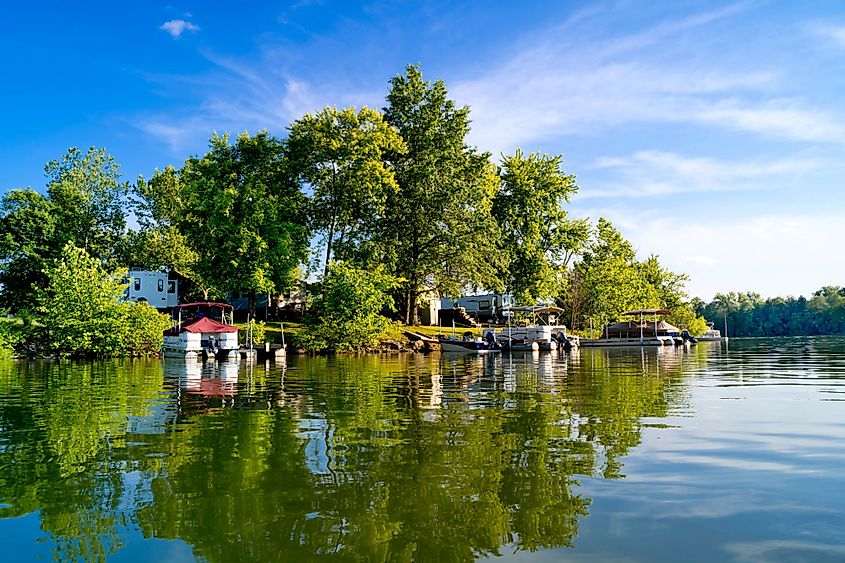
346, 316
145, 326
10, 336
81, 312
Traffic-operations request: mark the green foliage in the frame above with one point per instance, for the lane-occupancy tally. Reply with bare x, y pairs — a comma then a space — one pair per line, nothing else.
80, 312
437, 233
163, 240
348, 312
538, 238
10, 337
237, 209
607, 278
28, 239
89, 200
144, 328
340, 154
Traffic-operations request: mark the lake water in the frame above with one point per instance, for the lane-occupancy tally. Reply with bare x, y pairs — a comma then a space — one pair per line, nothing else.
717, 453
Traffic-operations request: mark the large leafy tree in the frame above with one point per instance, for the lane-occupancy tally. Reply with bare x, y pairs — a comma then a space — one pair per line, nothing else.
608, 280
340, 154
437, 233
90, 200
538, 237
84, 205
239, 209
28, 241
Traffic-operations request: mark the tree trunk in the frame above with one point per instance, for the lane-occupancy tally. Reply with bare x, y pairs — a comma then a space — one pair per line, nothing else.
406, 307
252, 301
329, 249
414, 308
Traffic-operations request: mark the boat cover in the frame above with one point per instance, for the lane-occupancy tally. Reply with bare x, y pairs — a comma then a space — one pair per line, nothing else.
200, 325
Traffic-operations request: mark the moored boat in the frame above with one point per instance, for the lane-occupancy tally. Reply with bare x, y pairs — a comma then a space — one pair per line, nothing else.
543, 330
200, 336
711, 334
467, 344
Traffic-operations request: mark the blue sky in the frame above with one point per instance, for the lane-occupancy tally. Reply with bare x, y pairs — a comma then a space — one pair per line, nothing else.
710, 133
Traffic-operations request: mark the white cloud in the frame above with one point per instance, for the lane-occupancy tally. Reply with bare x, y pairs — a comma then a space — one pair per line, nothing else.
655, 173
177, 27
559, 83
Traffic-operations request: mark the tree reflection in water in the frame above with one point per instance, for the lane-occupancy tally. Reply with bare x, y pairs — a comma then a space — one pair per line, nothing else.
440, 457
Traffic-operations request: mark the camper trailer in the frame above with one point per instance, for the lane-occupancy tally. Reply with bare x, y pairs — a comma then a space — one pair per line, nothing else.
484, 308
154, 287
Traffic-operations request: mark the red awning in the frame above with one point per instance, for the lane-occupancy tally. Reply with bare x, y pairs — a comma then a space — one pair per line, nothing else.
200, 325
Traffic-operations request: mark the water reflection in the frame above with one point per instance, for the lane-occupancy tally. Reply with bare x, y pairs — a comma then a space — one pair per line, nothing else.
416, 456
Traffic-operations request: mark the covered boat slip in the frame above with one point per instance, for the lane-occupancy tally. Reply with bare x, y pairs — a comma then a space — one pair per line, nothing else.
656, 332
201, 336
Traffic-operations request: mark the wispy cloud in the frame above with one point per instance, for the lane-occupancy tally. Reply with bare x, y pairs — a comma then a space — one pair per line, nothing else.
656, 173
559, 83
177, 27
576, 78
836, 33
239, 96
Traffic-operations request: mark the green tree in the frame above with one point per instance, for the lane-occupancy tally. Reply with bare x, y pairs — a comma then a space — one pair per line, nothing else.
238, 209
437, 233
666, 290
84, 205
340, 154
538, 237
608, 278
90, 200
159, 207
28, 241
347, 313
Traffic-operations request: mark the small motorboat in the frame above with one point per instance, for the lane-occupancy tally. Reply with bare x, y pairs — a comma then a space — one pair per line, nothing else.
468, 343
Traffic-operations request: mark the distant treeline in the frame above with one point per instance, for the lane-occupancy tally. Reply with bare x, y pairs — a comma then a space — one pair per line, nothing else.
748, 314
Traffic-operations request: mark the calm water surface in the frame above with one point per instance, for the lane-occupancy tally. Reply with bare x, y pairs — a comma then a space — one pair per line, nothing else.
713, 454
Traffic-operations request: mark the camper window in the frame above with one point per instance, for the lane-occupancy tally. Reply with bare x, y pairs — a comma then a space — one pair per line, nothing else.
160, 286
171, 286
484, 304
137, 284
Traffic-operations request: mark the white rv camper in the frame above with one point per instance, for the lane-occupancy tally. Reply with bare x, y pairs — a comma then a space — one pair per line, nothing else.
483, 308
154, 287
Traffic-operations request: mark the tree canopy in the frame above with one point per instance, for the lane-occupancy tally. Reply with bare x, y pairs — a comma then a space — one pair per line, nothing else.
398, 191
237, 209
84, 205
340, 154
